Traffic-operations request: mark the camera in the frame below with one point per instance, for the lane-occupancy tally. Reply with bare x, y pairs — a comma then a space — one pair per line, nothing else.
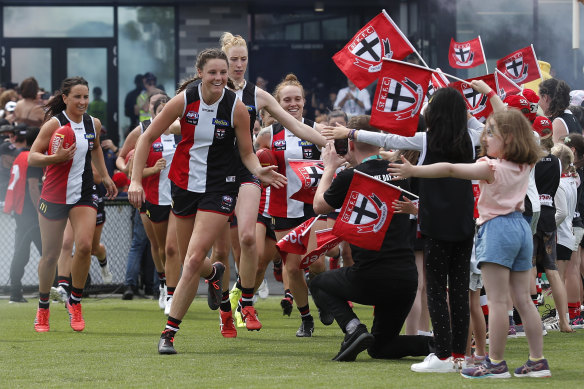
341, 146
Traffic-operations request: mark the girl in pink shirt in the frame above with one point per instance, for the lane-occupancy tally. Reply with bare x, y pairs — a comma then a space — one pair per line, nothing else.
504, 243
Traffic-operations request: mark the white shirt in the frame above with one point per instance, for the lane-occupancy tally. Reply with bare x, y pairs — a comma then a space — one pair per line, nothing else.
351, 108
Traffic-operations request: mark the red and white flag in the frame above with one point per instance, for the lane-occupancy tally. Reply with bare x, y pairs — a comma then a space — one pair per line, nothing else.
437, 81
399, 96
296, 241
477, 103
309, 172
520, 66
325, 240
360, 59
366, 212
465, 55
505, 87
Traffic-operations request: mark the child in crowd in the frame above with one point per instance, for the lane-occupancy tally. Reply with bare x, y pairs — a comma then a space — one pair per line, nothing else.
503, 242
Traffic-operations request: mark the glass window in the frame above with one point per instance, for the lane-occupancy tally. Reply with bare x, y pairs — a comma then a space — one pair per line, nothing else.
25, 63
58, 22
146, 44
90, 64
333, 29
311, 31
292, 32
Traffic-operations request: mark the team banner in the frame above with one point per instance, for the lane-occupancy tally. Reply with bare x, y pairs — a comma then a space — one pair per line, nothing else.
465, 55
296, 241
505, 87
309, 172
477, 103
361, 58
366, 212
325, 240
399, 96
520, 66
437, 81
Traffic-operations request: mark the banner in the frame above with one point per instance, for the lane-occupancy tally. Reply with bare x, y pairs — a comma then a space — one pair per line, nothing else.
309, 172
325, 240
295, 242
520, 66
366, 212
465, 55
399, 96
361, 58
477, 103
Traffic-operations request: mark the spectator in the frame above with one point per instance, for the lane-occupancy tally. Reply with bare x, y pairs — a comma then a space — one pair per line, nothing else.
352, 100
21, 200
7, 155
143, 100
98, 108
28, 110
130, 102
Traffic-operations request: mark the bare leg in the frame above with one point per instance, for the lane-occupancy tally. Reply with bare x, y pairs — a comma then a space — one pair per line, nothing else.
496, 278
529, 314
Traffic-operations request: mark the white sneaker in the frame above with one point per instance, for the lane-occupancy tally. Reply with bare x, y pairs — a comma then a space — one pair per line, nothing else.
162, 297
264, 290
58, 294
433, 364
167, 306
106, 274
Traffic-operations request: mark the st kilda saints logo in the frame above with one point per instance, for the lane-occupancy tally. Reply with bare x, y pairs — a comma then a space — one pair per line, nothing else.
369, 49
311, 175
516, 68
402, 98
463, 55
368, 213
476, 101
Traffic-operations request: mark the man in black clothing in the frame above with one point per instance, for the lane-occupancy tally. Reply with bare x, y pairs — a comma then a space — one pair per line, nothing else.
130, 101
375, 274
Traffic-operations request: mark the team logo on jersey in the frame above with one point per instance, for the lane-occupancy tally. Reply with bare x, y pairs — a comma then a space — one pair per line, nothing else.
89, 136
220, 133
307, 152
304, 143
227, 203
157, 147
250, 108
90, 145
220, 122
280, 145
192, 117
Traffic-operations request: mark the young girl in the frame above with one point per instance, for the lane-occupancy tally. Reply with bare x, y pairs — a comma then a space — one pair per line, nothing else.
503, 243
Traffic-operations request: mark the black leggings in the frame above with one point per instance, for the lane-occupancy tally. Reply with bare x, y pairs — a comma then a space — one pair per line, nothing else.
332, 290
448, 264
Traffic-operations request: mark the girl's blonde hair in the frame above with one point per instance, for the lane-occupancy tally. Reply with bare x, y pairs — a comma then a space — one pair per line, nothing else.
228, 40
519, 143
290, 80
566, 157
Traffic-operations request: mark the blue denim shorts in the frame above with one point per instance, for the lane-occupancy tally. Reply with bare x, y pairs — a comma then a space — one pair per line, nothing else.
505, 240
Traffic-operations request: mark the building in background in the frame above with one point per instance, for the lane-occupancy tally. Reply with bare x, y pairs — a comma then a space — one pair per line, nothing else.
110, 42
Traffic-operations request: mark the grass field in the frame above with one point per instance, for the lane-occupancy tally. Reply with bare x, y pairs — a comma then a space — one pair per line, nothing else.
118, 350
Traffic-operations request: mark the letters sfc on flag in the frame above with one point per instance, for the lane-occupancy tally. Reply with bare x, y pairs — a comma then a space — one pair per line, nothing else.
366, 212
399, 96
360, 59
465, 55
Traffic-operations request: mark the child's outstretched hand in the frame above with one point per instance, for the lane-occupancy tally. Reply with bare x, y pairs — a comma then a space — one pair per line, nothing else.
401, 170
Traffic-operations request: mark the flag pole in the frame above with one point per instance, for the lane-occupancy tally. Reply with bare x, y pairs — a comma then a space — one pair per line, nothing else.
311, 224
484, 56
429, 69
405, 38
387, 183
509, 80
538, 68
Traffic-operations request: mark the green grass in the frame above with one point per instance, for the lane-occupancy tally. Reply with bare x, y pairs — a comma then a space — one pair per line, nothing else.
118, 349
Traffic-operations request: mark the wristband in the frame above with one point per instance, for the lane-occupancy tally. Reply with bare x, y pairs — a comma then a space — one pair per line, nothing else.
351, 134
491, 94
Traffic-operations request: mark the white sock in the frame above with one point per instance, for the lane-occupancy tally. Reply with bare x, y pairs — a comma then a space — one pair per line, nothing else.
352, 326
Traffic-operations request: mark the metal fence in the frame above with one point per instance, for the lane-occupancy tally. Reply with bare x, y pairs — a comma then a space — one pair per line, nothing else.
116, 236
